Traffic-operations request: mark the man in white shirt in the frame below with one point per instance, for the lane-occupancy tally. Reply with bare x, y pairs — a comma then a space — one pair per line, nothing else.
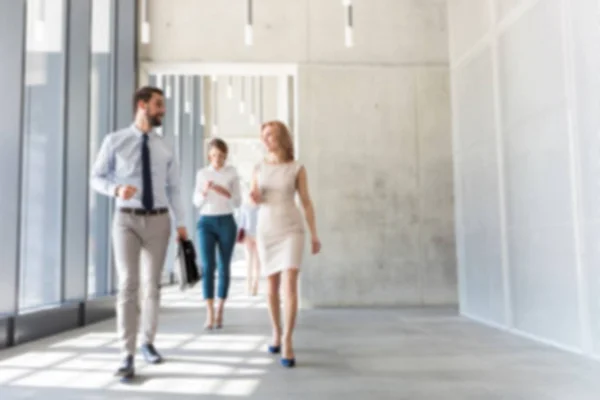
139, 169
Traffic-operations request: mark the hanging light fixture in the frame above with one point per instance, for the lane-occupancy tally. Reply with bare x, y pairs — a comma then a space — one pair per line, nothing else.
252, 103
187, 108
159, 84
145, 23
40, 22
261, 116
215, 97
230, 88
242, 95
248, 32
349, 34
168, 87
201, 102
177, 104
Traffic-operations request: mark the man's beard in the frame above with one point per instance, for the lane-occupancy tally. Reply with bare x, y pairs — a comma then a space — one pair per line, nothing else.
154, 121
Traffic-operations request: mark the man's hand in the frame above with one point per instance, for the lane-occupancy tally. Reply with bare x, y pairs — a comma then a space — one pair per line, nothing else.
181, 233
126, 192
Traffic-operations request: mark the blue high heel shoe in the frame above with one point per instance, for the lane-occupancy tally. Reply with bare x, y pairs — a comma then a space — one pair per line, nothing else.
288, 362
274, 349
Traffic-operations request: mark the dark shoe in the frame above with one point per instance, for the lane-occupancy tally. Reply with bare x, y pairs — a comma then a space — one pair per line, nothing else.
274, 349
150, 354
288, 362
126, 371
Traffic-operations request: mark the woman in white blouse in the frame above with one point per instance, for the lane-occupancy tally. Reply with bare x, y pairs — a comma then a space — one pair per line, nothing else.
216, 195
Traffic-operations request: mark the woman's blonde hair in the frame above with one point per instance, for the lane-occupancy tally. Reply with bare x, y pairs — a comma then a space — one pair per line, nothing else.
284, 138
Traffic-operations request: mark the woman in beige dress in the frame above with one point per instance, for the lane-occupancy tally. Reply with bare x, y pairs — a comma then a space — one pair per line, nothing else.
280, 230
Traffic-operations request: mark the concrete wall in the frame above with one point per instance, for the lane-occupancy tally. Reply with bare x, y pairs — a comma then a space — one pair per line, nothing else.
525, 95
373, 131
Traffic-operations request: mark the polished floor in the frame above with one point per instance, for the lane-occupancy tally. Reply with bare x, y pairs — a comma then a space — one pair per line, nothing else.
412, 354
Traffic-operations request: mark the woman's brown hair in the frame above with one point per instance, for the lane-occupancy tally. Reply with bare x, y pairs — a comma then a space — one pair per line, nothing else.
284, 139
219, 144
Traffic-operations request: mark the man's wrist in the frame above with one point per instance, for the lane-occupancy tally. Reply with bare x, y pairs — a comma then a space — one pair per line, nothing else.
116, 190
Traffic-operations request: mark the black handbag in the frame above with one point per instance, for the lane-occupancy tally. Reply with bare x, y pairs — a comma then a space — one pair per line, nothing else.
188, 272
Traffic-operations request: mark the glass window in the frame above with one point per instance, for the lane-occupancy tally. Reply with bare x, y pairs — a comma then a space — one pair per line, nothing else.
100, 124
43, 135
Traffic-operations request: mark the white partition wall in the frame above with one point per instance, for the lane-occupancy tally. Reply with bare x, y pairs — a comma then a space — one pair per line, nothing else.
525, 91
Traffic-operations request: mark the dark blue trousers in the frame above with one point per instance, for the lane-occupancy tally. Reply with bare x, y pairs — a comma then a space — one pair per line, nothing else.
216, 233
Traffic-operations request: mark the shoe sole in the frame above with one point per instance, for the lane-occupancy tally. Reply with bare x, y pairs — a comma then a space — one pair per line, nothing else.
127, 378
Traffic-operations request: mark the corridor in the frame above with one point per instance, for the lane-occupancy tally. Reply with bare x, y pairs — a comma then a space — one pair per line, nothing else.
412, 354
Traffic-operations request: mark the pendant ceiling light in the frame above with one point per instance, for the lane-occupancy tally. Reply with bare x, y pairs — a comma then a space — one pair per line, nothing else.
252, 102
230, 88
248, 31
145, 23
260, 113
188, 94
242, 95
201, 102
348, 31
168, 87
40, 21
215, 98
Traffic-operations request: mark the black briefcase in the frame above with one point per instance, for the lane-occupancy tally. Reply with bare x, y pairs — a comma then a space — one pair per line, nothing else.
186, 268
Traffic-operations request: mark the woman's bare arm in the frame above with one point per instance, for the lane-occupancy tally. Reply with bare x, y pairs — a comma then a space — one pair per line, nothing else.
307, 204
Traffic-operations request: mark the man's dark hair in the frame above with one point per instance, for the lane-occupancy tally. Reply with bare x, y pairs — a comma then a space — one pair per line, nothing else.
145, 94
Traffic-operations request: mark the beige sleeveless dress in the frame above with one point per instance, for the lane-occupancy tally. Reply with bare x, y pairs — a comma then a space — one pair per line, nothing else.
280, 226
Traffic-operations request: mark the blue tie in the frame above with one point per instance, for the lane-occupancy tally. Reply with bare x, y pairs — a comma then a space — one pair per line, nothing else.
147, 199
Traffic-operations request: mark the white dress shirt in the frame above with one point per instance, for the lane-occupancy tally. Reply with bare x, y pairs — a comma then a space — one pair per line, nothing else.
119, 162
215, 203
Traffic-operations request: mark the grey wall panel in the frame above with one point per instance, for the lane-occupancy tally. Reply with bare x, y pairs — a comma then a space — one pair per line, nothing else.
12, 41
187, 167
126, 60
538, 184
199, 154
77, 150
548, 58
478, 162
586, 57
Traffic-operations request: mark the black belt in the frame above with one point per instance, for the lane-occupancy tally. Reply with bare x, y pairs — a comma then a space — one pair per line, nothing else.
142, 211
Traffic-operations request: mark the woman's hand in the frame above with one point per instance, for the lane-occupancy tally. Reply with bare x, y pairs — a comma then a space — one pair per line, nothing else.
207, 186
221, 190
255, 196
316, 245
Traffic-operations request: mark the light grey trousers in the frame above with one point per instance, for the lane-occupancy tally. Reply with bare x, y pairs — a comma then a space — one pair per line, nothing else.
140, 246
